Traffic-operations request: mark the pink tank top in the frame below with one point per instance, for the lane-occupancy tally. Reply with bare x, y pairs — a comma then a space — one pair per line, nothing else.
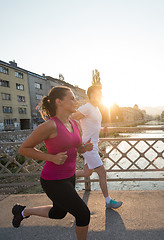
65, 141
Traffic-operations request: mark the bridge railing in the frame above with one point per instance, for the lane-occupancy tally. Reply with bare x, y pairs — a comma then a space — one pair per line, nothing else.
119, 155
133, 156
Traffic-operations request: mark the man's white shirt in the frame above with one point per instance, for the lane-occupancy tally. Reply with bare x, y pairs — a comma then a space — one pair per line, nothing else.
91, 123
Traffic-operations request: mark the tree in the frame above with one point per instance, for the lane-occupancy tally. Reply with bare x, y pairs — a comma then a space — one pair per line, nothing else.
136, 107
61, 77
105, 113
96, 77
162, 116
103, 109
116, 113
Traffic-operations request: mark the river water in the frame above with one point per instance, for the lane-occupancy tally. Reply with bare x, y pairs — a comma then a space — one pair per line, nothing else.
135, 185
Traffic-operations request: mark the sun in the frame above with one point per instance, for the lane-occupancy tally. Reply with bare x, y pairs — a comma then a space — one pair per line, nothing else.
111, 96
106, 102
107, 99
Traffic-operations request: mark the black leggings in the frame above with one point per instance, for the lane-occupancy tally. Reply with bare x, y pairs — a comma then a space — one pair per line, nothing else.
66, 199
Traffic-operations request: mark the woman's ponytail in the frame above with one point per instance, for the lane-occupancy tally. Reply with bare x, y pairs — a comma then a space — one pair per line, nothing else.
47, 105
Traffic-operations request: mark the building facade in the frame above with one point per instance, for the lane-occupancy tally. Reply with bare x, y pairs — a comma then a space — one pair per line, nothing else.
132, 114
21, 93
80, 93
15, 109
40, 86
37, 89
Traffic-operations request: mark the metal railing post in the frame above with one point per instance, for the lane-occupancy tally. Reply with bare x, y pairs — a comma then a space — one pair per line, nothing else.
87, 184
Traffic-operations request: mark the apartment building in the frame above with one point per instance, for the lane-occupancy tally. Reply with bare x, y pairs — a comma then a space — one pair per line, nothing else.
21, 93
37, 89
40, 86
15, 110
80, 93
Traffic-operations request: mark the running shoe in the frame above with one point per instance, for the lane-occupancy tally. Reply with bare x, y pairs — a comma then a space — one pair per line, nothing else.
113, 204
17, 212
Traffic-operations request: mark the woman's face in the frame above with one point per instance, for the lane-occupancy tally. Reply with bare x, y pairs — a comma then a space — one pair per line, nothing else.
69, 102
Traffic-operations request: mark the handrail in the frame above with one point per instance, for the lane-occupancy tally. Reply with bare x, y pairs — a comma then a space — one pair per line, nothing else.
134, 129
114, 144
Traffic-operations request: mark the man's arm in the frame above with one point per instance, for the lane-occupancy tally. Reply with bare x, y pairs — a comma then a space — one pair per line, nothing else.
77, 115
104, 129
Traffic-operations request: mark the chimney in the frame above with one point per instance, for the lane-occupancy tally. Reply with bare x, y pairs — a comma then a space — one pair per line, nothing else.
13, 63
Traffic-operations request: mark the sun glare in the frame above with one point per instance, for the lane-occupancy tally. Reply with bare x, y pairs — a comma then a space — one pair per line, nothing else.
107, 99
119, 98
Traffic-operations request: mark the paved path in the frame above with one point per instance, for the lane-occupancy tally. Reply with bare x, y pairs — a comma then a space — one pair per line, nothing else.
141, 217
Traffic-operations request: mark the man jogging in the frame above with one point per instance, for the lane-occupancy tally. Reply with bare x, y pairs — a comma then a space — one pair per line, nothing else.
90, 120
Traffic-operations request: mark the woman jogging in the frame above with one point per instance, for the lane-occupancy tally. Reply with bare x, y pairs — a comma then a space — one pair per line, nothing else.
62, 139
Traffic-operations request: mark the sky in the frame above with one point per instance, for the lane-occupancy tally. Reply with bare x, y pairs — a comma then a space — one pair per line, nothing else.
122, 39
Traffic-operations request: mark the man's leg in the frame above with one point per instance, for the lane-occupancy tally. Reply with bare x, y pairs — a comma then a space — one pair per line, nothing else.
86, 172
102, 180
110, 203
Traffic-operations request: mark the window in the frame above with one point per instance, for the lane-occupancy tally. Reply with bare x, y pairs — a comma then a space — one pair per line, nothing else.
38, 96
77, 97
4, 70
8, 122
38, 108
22, 110
4, 83
6, 96
38, 85
19, 86
7, 109
18, 74
20, 98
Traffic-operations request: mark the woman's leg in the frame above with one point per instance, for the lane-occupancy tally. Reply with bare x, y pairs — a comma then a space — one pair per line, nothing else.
68, 199
42, 211
20, 212
81, 232
65, 199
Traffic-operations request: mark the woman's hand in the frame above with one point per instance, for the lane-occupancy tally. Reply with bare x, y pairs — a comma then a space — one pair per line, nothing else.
59, 158
88, 146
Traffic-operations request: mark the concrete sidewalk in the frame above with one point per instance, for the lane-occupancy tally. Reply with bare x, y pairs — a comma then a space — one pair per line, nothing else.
141, 217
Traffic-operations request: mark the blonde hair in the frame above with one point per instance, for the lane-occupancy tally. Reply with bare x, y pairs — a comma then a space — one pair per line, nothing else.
93, 88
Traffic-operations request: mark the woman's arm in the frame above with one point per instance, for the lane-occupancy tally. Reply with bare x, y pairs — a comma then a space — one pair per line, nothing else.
42, 132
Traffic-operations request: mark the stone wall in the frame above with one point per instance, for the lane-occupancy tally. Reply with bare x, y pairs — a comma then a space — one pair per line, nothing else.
14, 136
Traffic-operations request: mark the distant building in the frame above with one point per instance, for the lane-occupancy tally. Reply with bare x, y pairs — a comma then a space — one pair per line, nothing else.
80, 93
37, 89
15, 109
40, 86
132, 114
21, 92
162, 116
127, 114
